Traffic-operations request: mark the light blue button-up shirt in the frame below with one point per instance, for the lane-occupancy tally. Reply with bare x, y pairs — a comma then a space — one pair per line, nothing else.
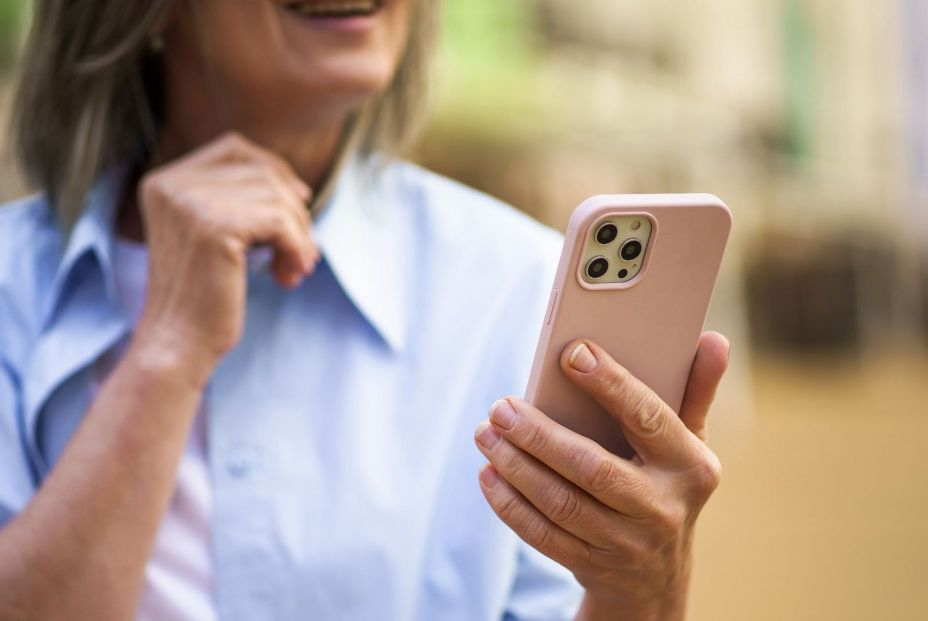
341, 455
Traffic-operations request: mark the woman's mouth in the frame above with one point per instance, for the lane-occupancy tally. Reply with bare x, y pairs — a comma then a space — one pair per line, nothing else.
334, 9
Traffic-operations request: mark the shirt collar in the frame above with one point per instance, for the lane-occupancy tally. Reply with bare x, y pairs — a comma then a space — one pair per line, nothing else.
357, 232
92, 233
360, 236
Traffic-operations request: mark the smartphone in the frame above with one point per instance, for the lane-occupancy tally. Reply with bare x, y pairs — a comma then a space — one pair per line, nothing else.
636, 276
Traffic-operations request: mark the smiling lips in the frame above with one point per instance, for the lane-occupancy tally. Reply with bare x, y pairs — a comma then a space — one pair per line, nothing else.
335, 8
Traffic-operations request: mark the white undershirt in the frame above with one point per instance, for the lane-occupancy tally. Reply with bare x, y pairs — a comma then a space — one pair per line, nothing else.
178, 577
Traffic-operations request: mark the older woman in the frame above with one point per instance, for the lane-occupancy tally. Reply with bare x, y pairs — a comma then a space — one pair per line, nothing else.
193, 428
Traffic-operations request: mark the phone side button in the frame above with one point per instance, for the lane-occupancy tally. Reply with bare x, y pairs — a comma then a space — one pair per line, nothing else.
551, 306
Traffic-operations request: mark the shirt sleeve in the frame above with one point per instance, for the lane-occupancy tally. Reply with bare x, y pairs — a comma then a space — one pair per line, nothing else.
16, 482
543, 590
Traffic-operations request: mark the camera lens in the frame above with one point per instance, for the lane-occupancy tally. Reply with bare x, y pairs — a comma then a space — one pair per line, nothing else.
607, 233
631, 250
597, 268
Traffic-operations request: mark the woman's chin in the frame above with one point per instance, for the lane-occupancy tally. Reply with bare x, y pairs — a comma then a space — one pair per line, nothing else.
351, 81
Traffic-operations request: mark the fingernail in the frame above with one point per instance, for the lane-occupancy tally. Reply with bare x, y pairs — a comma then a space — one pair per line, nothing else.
503, 414
310, 259
488, 476
487, 436
582, 359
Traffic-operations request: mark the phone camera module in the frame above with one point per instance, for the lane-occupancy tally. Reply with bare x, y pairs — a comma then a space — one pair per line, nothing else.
631, 250
597, 268
607, 233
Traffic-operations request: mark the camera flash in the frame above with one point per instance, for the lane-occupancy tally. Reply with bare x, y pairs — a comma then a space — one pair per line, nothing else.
636, 226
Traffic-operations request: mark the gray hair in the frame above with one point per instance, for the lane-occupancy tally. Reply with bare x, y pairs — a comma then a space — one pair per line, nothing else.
89, 94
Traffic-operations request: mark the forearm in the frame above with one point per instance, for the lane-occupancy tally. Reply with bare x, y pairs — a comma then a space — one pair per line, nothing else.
79, 549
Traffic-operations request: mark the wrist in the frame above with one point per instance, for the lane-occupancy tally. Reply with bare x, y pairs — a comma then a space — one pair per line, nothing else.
671, 606
167, 358
666, 602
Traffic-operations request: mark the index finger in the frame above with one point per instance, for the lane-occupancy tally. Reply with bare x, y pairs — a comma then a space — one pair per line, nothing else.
615, 482
234, 147
651, 426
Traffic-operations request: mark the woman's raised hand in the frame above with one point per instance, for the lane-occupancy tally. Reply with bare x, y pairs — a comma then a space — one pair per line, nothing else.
624, 527
202, 213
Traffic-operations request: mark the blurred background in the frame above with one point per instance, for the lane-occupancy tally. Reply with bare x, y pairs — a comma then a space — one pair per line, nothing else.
810, 119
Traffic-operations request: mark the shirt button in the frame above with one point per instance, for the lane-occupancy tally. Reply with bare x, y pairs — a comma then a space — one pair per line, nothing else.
240, 465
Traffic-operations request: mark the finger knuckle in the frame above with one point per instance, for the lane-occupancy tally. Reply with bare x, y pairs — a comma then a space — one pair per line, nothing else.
150, 185
242, 149
649, 413
508, 508
234, 139
536, 533
535, 438
277, 219
154, 190
617, 381
512, 463
270, 171
278, 162
565, 505
598, 473
706, 475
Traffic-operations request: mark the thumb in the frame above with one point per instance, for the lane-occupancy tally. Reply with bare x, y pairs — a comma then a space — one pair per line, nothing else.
705, 375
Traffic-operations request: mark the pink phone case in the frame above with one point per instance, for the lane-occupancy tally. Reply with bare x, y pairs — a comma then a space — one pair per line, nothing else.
651, 324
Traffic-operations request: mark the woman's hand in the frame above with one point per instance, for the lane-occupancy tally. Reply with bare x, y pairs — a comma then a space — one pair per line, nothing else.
623, 527
202, 213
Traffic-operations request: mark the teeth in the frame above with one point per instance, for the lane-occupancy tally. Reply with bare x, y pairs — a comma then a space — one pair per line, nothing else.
334, 8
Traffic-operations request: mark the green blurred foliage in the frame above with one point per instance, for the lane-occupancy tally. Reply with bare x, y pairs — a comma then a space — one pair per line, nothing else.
801, 79
488, 34
12, 21
489, 56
